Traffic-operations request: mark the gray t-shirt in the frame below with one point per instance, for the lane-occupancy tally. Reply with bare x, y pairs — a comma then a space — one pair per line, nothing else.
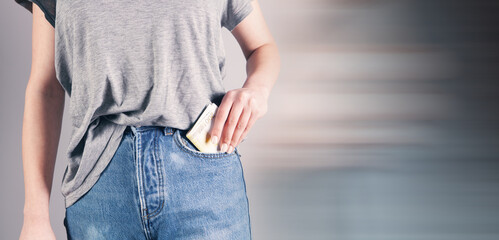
134, 63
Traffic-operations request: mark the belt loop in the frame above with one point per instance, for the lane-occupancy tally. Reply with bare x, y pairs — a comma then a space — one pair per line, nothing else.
134, 130
167, 130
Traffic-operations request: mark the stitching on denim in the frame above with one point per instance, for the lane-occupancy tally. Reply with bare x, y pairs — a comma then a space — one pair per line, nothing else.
246, 195
160, 176
138, 145
158, 210
168, 131
183, 146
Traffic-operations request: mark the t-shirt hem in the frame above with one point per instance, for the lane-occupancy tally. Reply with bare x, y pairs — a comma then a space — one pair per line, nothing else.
74, 196
28, 4
241, 14
48, 16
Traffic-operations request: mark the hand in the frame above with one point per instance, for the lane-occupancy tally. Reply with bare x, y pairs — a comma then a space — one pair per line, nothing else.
36, 228
235, 116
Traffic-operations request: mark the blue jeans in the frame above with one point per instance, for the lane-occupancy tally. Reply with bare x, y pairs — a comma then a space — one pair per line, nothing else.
159, 186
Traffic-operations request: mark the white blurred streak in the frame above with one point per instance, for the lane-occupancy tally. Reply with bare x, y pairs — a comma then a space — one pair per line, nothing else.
368, 133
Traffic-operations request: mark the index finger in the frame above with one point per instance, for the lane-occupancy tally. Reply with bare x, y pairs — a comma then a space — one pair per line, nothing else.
219, 119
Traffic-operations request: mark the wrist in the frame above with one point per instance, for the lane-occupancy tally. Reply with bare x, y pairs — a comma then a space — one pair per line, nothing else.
34, 218
36, 212
264, 89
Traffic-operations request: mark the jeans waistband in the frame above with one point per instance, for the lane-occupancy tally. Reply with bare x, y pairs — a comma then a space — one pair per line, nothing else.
166, 130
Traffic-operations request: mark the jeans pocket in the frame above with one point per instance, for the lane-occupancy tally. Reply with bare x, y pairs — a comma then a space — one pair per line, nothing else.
185, 145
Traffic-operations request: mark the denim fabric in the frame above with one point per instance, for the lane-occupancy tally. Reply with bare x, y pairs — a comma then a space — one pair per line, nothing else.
158, 186
147, 63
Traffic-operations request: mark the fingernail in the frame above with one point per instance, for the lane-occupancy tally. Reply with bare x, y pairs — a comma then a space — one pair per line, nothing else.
224, 147
214, 139
230, 149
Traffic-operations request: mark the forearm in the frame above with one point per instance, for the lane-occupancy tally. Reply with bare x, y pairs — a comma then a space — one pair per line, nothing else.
263, 67
40, 137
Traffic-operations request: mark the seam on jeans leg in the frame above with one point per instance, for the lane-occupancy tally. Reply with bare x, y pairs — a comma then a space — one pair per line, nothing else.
246, 196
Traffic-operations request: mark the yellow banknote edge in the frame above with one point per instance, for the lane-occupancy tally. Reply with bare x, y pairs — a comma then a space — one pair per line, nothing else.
198, 134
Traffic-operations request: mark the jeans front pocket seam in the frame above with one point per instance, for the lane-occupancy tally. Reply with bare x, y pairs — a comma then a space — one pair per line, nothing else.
180, 141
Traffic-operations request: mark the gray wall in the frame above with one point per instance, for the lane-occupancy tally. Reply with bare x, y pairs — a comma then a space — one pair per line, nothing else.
382, 125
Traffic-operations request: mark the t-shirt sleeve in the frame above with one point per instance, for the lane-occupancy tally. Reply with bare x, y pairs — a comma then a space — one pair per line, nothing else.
234, 12
47, 6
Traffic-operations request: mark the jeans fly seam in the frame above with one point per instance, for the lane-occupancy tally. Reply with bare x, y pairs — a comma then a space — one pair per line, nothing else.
160, 177
139, 185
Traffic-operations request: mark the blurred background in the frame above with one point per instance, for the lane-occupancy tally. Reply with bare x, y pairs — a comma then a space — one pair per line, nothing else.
383, 123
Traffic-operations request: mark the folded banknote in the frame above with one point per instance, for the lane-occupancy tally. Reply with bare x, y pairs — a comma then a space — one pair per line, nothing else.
198, 134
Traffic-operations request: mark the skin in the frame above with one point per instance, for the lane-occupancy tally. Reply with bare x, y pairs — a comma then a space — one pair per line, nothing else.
241, 107
43, 112
44, 108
